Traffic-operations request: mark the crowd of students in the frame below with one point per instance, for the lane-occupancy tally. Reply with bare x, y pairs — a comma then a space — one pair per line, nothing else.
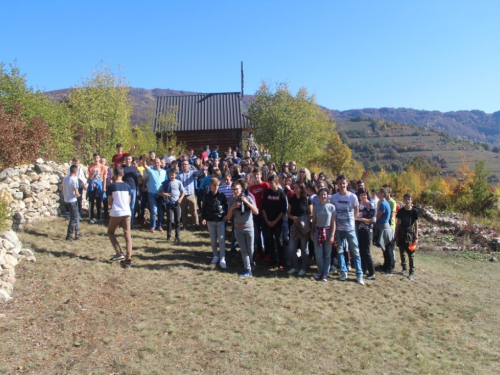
288, 217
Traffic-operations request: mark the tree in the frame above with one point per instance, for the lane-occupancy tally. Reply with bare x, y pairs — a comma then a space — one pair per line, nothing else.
291, 127
100, 111
335, 158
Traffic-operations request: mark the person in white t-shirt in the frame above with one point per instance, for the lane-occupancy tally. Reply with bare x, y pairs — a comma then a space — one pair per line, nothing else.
119, 195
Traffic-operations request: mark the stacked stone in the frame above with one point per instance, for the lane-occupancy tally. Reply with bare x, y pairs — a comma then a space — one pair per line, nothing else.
11, 253
33, 191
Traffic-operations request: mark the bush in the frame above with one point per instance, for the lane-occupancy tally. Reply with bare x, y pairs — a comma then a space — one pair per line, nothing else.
5, 214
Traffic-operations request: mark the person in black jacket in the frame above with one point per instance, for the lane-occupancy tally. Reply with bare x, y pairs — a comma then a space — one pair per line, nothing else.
213, 211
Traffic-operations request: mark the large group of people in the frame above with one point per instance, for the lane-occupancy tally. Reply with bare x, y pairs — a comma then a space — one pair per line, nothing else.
287, 218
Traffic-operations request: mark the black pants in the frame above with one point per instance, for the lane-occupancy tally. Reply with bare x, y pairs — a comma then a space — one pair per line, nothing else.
273, 240
95, 200
173, 219
364, 242
74, 218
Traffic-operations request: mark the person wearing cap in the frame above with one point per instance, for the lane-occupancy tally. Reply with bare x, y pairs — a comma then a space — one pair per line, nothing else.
407, 234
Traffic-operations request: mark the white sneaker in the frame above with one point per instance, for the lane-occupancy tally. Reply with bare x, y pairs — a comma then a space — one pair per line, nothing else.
215, 260
222, 263
302, 272
348, 268
360, 281
343, 276
292, 271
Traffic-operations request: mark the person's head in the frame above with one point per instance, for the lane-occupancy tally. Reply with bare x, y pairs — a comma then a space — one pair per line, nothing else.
342, 182
190, 151
273, 182
248, 154
172, 174
197, 163
362, 195
96, 157
271, 166
374, 193
185, 165
73, 170
170, 151
118, 172
234, 154
226, 177
152, 155
104, 161
321, 176
382, 193
216, 162
289, 181
173, 164
311, 190
321, 184
388, 189
323, 195
119, 148
407, 200
206, 148
236, 169
163, 163
292, 166
229, 151
214, 185
302, 174
314, 177
360, 184
237, 188
299, 189
257, 175
157, 163
284, 167
135, 161
127, 160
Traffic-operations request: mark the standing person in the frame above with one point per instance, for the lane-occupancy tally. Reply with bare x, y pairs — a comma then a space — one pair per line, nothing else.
189, 205
374, 199
347, 207
292, 169
143, 188
407, 234
392, 221
364, 230
119, 204
156, 176
274, 207
213, 211
130, 178
71, 195
323, 234
300, 211
96, 187
242, 207
82, 184
117, 159
170, 157
109, 177
258, 189
173, 193
384, 236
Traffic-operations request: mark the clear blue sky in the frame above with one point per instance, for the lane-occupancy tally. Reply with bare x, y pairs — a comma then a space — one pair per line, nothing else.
434, 55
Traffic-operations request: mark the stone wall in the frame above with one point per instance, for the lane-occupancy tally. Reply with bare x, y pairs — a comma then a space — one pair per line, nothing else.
33, 191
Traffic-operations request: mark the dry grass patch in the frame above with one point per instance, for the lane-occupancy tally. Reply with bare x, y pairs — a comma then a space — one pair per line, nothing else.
74, 312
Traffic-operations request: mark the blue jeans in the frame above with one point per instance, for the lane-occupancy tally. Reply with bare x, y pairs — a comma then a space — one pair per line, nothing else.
133, 196
352, 241
217, 232
155, 207
323, 253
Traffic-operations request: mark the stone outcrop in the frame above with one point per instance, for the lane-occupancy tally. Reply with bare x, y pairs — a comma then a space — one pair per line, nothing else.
11, 253
33, 191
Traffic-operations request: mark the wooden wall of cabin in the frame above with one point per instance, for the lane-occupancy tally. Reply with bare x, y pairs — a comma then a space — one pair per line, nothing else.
222, 138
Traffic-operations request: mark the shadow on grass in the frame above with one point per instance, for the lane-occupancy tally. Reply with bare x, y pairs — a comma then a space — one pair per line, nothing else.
64, 253
33, 232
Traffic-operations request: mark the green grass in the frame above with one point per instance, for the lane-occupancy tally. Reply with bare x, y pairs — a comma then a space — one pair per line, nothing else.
74, 312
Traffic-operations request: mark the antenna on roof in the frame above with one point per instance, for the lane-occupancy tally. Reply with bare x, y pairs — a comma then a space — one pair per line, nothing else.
242, 80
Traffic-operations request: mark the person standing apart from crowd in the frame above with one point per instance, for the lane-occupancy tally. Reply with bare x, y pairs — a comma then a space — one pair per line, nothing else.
242, 207
82, 184
97, 186
407, 234
156, 176
213, 211
347, 207
119, 204
189, 205
71, 194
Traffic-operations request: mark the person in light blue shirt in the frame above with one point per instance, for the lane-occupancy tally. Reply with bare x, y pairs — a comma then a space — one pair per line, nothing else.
156, 176
188, 205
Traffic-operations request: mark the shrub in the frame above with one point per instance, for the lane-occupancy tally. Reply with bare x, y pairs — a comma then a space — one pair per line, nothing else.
5, 214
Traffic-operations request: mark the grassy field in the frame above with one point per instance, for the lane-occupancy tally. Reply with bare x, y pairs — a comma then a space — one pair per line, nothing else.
74, 312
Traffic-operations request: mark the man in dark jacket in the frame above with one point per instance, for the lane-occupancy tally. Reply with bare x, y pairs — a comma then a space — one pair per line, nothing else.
274, 206
213, 212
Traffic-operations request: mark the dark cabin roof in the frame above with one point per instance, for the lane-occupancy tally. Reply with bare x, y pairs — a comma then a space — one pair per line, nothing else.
204, 111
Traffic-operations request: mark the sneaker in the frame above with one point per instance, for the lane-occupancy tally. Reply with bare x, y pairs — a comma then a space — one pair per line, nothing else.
78, 235
178, 239
348, 268
281, 267
302, 272
245, 274
324, 279
291, 271
318, 277
411, 277
343, 276
69, 239
127, 263
222, 263
372, 277
169, 238
272, 266
215, 259
152, 229
360, 281
389, 274
118, 256
91, 221
160, 229
403, 272
257, 256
